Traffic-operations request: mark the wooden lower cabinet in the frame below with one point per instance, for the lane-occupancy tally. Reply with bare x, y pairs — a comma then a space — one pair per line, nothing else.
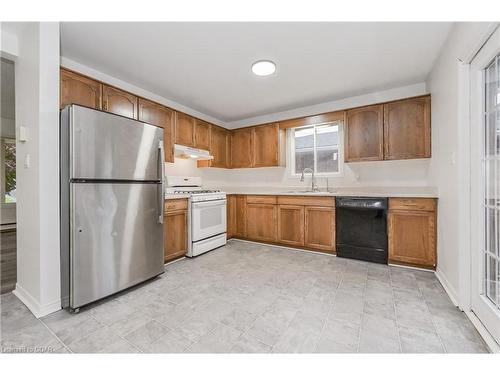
175, 229
231, 216
261, 222
412, 238
291, 225
240, 214
309, 223
320, 228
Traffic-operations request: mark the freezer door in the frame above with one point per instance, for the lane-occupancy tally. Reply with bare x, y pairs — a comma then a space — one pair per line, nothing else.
110, 147
116, 239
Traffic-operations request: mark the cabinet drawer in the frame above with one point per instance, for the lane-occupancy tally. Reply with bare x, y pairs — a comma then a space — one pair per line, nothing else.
265, 199
176, 204
412, 204
307, 201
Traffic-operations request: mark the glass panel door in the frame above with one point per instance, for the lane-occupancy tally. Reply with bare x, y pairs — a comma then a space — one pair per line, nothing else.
485, 185
491, 165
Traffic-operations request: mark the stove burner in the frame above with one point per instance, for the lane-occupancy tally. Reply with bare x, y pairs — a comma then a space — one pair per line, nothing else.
196, 191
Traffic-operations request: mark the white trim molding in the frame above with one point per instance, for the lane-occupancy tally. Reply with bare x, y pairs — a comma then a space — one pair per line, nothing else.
483, 332
488, 339
381, 96
32, 304
452, 293
91, 72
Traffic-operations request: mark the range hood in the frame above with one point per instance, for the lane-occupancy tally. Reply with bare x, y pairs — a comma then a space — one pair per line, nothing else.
186, 152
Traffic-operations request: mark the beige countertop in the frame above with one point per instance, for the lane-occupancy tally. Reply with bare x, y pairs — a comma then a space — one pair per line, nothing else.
378, 191
176, 196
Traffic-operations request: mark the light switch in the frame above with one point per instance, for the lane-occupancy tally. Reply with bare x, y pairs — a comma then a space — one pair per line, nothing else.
453, 158
23, 134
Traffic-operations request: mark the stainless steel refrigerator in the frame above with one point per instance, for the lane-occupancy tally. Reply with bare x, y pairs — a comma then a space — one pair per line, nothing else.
111, 184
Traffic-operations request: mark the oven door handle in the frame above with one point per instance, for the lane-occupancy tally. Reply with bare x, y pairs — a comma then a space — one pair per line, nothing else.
219, 202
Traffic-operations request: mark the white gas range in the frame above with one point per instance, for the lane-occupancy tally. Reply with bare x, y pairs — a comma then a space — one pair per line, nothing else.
206, 213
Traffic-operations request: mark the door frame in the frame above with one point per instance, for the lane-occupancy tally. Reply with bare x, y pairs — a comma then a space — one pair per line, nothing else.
478, 303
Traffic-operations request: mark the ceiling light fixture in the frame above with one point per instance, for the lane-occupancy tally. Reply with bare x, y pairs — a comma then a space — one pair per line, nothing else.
263, 67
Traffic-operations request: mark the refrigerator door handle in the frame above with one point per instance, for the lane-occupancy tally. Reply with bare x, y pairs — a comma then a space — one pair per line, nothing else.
161, 174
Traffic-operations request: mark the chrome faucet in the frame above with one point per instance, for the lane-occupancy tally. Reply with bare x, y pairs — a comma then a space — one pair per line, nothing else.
314, 186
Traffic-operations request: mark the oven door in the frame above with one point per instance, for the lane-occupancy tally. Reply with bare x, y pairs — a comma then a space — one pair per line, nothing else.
207, 219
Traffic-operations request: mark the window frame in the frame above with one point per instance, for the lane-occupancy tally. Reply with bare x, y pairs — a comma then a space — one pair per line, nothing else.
4, 140
290, 150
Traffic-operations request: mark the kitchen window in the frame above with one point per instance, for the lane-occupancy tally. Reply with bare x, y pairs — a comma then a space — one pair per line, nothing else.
319, 147
8, 170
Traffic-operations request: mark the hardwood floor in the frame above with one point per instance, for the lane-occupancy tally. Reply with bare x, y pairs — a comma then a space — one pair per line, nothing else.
8, 262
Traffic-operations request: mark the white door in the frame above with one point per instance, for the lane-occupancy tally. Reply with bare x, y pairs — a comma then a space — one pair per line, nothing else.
485, 185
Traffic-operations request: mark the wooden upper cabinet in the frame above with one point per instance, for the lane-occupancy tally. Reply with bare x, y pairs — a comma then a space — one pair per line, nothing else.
407, 129
202, 135
266, 145
77, 89
220, 147
184, 129
242, 148
156, 114
364, 134
119, 102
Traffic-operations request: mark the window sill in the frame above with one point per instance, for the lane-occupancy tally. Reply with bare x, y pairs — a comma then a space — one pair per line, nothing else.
316, 175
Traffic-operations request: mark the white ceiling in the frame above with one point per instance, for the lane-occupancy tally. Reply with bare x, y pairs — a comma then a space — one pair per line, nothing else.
206, 66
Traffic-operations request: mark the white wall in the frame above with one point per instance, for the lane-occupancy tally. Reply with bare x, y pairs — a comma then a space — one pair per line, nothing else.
448, 85
8, 43
37, 108
386, 173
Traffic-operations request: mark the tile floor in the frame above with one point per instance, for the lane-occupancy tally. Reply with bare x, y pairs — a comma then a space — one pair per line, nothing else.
250, 298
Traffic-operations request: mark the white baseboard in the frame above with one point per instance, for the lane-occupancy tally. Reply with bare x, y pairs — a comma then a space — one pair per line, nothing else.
283, 247
33, 305
448, 288
488, 339
410, 267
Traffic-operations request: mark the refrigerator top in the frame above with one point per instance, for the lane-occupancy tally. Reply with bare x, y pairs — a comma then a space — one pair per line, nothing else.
103, 146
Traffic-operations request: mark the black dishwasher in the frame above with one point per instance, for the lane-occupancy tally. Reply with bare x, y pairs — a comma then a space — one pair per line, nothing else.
361, 228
